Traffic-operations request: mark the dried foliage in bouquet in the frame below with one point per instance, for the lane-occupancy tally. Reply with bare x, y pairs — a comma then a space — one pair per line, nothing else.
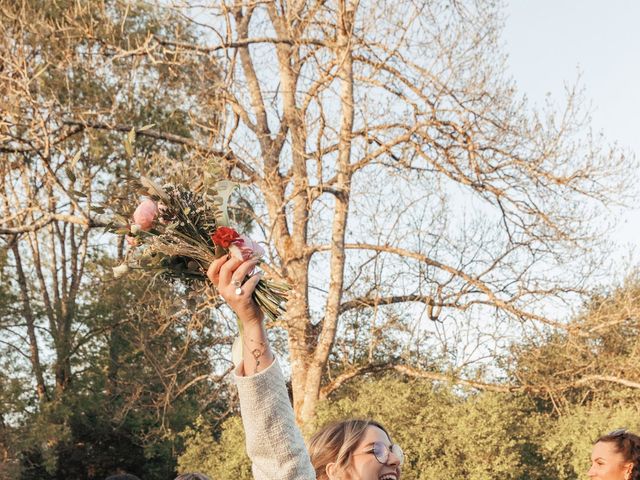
177, 233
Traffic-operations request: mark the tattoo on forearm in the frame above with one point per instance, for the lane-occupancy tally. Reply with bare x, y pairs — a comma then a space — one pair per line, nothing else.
256, 355
257, 352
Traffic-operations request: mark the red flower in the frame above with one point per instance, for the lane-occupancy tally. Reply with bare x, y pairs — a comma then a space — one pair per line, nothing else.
224, 236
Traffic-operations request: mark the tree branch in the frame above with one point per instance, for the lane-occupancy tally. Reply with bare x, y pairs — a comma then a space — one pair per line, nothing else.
241, 43
415, 373
607, 378
169, 137
349, 375
30, 148
472, 280
363, 302
51, 217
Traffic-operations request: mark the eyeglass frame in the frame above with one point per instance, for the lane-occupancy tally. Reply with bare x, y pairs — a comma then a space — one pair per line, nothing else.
386, 451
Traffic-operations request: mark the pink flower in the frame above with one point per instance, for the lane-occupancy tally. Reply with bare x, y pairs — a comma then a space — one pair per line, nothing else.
132, 241
145, 215
243, 248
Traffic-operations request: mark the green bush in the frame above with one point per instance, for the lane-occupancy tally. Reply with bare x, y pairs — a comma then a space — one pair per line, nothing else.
219, 459
447, 435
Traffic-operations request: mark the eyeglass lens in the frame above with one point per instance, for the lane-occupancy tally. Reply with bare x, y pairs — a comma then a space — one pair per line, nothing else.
381, 452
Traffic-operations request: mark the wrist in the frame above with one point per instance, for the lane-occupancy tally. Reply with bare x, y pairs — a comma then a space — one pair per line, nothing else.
252, 321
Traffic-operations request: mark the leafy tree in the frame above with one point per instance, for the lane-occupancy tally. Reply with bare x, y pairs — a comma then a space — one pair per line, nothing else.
80, 113
596, 360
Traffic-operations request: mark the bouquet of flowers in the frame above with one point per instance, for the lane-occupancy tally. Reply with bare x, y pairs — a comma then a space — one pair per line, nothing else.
178, 233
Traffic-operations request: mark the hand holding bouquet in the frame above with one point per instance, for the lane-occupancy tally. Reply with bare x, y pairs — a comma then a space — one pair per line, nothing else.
178, 233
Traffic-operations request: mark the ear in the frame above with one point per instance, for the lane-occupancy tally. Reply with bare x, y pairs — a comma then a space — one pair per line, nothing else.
332, 471
627, 474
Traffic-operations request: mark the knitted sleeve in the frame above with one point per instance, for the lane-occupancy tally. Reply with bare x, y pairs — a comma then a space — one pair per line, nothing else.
274, 442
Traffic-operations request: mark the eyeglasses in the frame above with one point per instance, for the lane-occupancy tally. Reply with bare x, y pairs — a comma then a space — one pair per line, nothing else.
381, 452
618, 432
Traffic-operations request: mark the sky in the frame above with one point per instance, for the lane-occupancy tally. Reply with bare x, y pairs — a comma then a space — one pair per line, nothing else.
551, 43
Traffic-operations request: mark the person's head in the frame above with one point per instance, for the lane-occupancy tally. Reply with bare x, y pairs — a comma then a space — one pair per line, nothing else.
192, 476
354, 450
616, 456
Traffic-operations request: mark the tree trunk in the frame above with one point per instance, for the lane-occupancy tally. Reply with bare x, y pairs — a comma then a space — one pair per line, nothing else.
27, 312
322, 346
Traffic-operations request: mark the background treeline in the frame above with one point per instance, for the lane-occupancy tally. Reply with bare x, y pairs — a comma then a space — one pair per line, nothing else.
109, 417
433, 227
456, 432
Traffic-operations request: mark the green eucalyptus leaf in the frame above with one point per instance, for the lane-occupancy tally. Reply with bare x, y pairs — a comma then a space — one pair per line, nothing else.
75, 159
154, 189
225, 189
70, 175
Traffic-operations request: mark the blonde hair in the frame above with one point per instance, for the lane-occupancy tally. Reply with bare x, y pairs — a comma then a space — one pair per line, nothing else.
336, 443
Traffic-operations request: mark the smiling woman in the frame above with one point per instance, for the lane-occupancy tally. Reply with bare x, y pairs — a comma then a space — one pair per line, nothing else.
355, 449
616, 456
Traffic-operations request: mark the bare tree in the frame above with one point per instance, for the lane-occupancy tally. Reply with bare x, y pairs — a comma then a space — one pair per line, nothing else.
397, 172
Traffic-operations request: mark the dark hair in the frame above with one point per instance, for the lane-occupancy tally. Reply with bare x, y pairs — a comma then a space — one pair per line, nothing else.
336, 443
628, 444
122, 476
192, 476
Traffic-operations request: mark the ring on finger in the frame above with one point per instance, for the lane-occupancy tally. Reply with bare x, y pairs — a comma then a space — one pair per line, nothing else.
238, 285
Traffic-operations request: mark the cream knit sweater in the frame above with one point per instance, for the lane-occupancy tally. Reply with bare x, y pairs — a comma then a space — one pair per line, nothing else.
274, 442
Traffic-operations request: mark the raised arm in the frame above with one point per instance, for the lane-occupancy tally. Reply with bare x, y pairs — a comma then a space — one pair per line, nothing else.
274, 442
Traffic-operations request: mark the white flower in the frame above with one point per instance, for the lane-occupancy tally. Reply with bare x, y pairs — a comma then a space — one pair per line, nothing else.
120, 270
244, 248
135, 228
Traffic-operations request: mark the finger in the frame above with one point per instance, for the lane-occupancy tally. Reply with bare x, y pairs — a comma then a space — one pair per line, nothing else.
226, 271
250, 285
245, 269
214, 269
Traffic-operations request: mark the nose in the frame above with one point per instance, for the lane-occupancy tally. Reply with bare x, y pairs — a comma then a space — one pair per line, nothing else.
591, 473
393, 459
